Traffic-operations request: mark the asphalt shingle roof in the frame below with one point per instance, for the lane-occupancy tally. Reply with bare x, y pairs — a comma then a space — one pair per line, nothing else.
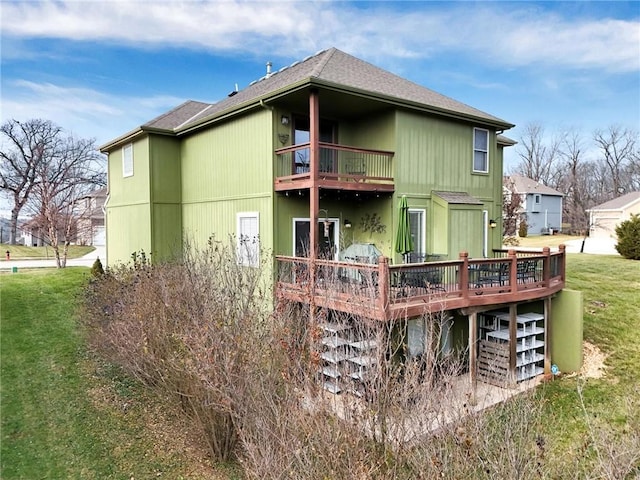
523, 184
339, 68
619, 203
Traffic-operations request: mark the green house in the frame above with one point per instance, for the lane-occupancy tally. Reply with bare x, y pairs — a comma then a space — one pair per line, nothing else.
310, 162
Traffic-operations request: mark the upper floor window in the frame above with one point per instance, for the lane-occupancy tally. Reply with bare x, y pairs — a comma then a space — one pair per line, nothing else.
248, 247
480, 150
127, 160
537, 199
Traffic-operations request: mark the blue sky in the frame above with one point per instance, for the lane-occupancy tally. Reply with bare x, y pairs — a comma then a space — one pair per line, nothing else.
101, 68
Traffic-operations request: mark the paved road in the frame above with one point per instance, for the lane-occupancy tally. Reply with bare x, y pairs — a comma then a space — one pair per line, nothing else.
85, 261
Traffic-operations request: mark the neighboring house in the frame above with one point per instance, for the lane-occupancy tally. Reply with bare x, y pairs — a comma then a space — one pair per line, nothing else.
334, 142
541, 205
90, 219
603, 219
31, 233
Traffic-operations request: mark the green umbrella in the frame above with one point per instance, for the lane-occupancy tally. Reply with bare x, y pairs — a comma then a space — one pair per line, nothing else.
404, 242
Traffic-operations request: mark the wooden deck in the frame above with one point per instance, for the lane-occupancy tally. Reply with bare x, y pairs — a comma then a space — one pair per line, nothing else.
384, 291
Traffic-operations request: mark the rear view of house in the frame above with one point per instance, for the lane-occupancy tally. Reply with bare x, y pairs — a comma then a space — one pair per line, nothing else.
311, 162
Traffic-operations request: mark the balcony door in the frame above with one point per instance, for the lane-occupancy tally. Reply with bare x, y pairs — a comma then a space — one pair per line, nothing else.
327, 236
301, 134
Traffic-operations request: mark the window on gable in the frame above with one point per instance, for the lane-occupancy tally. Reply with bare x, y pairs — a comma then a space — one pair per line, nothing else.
248, 239
537, 199
480, 150
127, 160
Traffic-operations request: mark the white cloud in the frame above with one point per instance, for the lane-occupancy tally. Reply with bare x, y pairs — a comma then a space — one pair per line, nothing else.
514, 36
83, 111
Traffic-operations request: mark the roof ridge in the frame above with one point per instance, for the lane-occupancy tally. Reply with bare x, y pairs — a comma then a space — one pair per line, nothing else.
209, 105
166, 114
323, 62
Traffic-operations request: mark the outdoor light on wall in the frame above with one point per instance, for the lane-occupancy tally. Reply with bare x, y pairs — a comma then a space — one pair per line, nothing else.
284, 120
493, 224
347, 223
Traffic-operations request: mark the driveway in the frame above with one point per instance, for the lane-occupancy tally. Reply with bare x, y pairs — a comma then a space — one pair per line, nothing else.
598, 246
85, 261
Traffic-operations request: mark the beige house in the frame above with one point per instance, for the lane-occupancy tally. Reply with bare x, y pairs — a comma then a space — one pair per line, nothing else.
606, 217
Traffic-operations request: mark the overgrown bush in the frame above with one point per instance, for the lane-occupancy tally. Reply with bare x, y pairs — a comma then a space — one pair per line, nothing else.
628, 233
202, 333
523, 229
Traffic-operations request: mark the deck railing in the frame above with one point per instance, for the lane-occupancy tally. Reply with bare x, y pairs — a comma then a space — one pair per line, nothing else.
382, 290
337, 162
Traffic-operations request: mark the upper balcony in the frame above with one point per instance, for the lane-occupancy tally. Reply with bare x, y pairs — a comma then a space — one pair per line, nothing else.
383, 292
340, 168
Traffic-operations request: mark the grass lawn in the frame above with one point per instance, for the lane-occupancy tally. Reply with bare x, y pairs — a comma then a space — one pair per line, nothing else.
540, 241
610, 286
65, 415
23, 252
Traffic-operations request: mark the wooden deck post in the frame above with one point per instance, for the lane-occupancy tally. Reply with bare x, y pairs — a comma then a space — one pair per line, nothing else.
546, 266
383, 286
463, 275
563, 262
513, 270
314, 197
513, 343
473, 356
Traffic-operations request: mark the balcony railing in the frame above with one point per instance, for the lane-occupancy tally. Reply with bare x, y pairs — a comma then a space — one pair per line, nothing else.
338, 165
386, 291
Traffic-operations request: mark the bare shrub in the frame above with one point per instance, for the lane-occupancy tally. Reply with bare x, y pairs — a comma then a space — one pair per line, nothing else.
189, 329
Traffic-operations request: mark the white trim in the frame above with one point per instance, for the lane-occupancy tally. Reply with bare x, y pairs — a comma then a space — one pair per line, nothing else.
485, 233
127, 172
336, 233
423, 228
474, 150
249, 254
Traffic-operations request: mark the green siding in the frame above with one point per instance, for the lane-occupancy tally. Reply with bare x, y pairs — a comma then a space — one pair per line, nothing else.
376, 132
227, 170
166, 194
128, 218
128, 231
465, 232
436, 154
136, 188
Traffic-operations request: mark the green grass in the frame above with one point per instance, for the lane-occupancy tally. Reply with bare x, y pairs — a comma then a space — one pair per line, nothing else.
540, 241
610, 286
64, 415
23, 252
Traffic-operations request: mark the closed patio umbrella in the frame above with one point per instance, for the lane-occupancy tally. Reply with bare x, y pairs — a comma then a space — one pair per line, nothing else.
404, 242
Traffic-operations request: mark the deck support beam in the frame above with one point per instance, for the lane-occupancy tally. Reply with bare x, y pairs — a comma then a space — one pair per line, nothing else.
547, 336
473, 356
513, 343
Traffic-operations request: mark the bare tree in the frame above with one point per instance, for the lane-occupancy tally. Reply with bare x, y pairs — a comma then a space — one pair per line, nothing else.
537, 157
24, 148
511, 208
63, 178
619, 151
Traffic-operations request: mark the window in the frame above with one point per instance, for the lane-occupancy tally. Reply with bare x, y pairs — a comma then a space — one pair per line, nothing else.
537, 199
480, 150
417, 224
127, 160
248, 247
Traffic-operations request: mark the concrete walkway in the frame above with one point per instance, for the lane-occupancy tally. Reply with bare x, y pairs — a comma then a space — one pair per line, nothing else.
85, 261
597, 246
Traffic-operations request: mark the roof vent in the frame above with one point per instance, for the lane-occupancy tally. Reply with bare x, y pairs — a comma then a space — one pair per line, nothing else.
269, 65
235, 92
